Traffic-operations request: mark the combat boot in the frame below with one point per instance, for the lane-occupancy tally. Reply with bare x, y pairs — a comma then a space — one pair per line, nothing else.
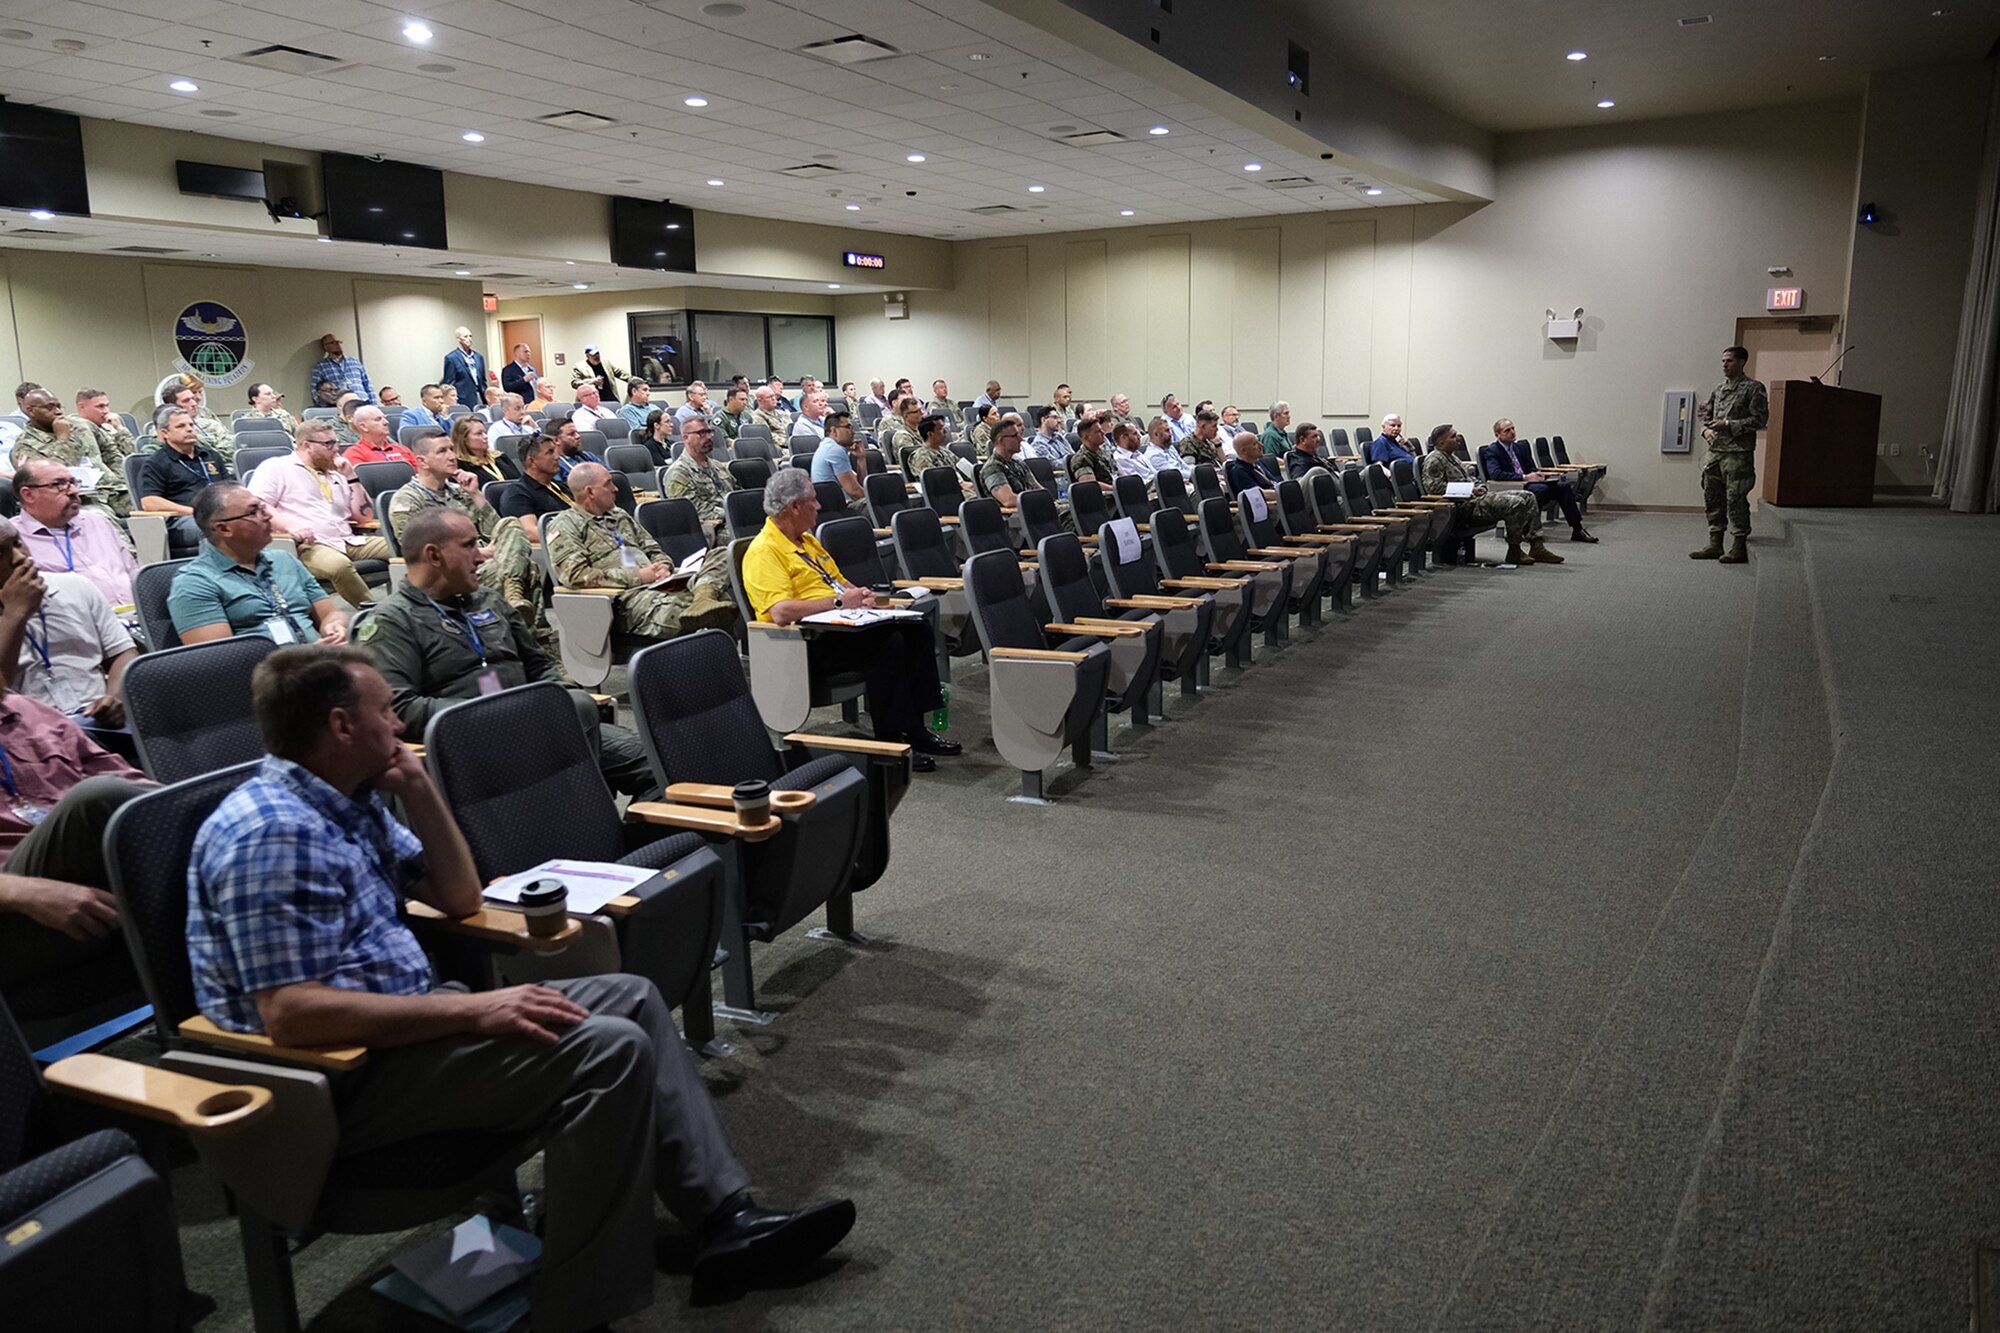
1712, 551
1517, 556
1543, 555
1737, 554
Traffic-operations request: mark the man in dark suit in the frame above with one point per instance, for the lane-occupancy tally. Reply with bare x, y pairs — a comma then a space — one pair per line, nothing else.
1508, 459
519, 376
465, 370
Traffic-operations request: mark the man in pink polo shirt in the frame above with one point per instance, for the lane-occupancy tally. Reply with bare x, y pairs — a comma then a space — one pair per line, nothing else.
316, 506
62, 537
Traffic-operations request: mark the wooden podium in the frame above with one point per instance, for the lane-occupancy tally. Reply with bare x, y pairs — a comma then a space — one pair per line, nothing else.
1820, 449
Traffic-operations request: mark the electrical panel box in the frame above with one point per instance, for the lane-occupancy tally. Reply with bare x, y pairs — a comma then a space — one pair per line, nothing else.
1678, 428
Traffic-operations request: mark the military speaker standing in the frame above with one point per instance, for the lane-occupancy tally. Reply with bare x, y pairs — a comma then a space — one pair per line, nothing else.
1730, 420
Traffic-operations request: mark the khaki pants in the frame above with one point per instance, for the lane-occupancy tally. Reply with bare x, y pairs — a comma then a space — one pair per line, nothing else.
334, 567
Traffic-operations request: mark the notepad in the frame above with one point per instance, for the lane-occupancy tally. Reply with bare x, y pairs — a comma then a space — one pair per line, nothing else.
591, 884
859, 616
1458, 490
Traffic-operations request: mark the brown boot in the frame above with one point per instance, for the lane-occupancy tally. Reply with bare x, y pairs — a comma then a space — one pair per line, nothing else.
1516, 556
1737, 554
1712, 551
1543, 555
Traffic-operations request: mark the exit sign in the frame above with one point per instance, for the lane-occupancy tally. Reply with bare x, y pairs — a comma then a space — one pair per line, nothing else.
855, 259
489, 303
1785, 298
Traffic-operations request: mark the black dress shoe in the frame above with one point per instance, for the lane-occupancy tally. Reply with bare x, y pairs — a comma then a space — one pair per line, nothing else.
922, 763
926, 742
1579, 534
743, 1243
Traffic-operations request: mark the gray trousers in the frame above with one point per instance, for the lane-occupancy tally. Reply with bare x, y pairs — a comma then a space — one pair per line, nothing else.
624, 1116
69, 846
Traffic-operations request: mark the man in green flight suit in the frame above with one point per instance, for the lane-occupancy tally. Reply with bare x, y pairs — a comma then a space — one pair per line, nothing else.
1730, 420
445, 636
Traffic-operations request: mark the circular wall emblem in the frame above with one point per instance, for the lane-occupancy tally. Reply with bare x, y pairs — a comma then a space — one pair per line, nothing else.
212, 343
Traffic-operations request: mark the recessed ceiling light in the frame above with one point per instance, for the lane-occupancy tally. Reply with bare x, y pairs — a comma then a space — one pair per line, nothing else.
1158, 129
1036, 189
16, 34
1605, 103
1942, 13
1124, 212
570, 262
437, 67
1253, 166
40, 214
629, 180
218, 113
673, 226
326, 240
694, 100
722, 9
715, 180
580, 286
374, 208
185, 86
854, 208
979, 55
947, 87
211, 256
1578, 55
1824, 59
914, 157
1372, 190
833, 286
463, 272
473, 136
416, 32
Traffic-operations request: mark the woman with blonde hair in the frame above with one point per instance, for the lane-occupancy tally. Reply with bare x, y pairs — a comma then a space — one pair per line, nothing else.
469, 443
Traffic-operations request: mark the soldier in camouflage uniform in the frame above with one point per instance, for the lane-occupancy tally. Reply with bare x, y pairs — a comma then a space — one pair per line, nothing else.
900, 433
697, 478
932, 449
598, 545
51, 435
1204, 445
1091, 461
768, 413
105, 429
1515, 511
941, 403
1004, 476
506, 555
1730, 420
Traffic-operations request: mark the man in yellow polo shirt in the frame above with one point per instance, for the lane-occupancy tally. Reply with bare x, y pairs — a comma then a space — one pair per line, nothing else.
788, 576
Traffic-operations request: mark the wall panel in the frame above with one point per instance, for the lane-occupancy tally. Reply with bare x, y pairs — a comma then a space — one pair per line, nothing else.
1256, 257
1349, 310
1085, 319
1169, 314
1006, 318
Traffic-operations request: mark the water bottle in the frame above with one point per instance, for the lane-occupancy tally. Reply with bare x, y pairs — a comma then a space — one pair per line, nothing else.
941, 715
1062, 487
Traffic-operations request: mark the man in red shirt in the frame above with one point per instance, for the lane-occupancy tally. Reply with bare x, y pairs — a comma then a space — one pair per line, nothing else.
374, 444
57, 922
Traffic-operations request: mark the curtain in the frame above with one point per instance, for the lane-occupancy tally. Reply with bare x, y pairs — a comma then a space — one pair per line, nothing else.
1968, 473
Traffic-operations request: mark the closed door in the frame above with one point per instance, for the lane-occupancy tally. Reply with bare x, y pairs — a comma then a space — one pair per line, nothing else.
1795, 348
516, 331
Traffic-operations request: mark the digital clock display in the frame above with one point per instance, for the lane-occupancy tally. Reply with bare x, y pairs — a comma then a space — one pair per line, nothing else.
855, 259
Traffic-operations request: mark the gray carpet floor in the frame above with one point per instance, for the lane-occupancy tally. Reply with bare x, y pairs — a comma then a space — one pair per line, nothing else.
1602, 946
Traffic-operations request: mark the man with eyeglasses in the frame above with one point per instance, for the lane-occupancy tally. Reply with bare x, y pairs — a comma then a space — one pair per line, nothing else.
63, 537
835, 458
174, 476
314, 504
238, 586
698, 478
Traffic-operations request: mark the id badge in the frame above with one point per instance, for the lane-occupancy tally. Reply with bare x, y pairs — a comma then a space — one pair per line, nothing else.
30, 813
280, 630
630, 557
488, 681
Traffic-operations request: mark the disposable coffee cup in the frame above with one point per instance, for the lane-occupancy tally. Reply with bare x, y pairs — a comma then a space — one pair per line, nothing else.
753, 801
546, 905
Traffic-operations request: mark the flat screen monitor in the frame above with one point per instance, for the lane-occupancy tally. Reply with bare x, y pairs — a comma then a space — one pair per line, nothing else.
652, 234
41, 161
390, 203
220, 182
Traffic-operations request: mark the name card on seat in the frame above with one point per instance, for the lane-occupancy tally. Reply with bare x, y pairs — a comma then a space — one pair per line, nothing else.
1125, 532
1253, 500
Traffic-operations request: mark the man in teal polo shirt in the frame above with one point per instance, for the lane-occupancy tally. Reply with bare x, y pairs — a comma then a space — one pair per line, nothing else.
237, 586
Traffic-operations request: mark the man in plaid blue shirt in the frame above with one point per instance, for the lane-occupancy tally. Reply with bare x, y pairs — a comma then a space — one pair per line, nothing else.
345, 374
294, 929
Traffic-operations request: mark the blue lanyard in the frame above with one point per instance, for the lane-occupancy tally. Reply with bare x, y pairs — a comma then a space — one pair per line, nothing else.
194, 465
820, 570
69, 548
449, 614
41, 645
7, 776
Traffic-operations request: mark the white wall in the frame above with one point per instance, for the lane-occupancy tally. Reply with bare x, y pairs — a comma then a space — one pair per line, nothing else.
1662, 231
